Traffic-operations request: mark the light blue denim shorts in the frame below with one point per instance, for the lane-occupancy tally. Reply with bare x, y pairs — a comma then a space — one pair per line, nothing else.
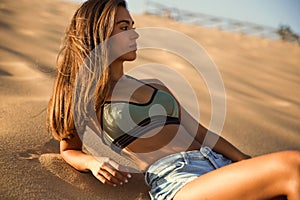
169, 174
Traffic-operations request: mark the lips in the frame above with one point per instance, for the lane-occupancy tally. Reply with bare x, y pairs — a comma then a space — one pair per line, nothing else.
133, 46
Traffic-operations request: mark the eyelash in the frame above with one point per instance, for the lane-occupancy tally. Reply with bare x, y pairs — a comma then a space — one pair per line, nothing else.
126, 28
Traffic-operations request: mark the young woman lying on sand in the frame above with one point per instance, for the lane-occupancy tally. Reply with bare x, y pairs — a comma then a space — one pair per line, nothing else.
172, 171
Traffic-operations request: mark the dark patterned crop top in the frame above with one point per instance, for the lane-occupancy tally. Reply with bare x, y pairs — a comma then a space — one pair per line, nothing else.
123, 121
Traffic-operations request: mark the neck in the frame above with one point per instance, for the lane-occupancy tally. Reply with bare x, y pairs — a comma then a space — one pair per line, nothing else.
117, 70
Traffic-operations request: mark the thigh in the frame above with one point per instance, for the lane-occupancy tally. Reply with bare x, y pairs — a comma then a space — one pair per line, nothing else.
262, 177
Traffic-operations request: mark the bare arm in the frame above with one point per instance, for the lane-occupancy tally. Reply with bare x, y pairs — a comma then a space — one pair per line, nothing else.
104, 169
202, 134
210, 139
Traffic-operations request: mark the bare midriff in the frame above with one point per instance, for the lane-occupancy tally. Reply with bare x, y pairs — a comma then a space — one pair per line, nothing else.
158, 143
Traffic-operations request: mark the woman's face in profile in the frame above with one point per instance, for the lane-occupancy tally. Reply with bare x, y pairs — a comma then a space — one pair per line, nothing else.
123, 40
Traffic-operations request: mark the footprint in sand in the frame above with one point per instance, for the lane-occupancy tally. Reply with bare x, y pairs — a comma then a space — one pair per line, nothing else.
4, 73
29, 154
52, 146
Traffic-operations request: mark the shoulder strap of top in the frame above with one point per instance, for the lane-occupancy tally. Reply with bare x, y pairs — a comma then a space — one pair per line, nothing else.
128, 76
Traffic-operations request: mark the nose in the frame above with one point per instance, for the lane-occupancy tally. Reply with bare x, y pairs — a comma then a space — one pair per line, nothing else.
134, 35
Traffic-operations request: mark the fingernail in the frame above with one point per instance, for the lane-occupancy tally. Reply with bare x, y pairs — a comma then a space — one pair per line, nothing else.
126, 181
129, 175
115, 185
121, 183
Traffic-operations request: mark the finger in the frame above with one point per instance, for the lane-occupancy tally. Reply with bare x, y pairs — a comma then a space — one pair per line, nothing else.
103, 180
110, 177
121, 169
112, 174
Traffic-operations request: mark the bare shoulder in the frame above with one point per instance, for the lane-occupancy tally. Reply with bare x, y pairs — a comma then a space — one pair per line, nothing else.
156, 83
159, 85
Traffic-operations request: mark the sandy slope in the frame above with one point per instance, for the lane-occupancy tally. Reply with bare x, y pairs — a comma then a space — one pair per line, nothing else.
261, 79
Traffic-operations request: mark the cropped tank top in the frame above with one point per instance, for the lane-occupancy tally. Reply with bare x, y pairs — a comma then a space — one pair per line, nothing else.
123, 121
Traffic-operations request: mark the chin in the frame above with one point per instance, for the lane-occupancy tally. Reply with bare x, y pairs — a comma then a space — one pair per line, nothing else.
130, 56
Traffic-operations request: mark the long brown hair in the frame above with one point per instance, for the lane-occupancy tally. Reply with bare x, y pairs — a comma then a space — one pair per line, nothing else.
91, 25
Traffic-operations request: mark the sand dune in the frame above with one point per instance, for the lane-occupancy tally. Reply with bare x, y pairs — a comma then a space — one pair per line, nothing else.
261, 79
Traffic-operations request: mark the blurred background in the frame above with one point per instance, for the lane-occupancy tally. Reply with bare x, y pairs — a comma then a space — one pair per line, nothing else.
273, 19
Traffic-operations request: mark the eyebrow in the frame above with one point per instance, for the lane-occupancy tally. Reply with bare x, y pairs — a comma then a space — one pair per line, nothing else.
124, 21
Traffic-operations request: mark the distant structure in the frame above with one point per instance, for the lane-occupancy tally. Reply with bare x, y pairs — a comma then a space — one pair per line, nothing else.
282, 33
287, 34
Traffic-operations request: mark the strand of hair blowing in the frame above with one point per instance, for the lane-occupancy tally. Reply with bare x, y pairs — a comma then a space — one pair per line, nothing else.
84, 48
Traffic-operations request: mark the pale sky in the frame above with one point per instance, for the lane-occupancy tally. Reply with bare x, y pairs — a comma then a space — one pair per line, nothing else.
263, 12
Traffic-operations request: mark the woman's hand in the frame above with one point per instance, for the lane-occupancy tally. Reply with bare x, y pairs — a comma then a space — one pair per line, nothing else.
108, 171
104, 169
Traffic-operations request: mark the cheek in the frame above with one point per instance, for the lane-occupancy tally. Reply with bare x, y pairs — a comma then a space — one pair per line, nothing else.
119, 46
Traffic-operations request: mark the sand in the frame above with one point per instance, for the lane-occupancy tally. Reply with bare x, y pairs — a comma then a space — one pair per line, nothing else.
261, 79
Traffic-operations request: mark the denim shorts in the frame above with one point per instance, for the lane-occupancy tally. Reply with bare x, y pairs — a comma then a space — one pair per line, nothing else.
169, 174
